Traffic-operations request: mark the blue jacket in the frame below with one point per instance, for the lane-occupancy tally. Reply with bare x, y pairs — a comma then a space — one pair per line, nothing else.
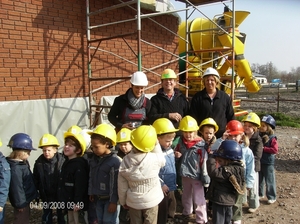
193, 161
22, 189
104, 176
269, 151
167, 173
4, 180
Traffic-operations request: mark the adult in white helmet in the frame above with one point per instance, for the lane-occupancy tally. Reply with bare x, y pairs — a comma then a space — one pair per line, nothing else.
212, 102
131, 109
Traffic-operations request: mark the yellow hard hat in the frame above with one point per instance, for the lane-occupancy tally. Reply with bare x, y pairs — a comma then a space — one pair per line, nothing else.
168, 74
252, 118
74, 129
209, 121
106, 131
144, 138
123, 135
164, 125
48, 139
0, 143
188, 123
79, 138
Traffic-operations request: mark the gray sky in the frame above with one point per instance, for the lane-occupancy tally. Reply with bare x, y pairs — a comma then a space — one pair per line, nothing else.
272, 28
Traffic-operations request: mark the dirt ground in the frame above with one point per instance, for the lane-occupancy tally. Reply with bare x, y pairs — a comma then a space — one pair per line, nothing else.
286, 208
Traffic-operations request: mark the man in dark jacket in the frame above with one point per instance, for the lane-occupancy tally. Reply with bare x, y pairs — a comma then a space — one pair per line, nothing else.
169, 102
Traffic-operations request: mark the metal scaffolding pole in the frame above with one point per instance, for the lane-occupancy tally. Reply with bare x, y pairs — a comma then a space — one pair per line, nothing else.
92, 50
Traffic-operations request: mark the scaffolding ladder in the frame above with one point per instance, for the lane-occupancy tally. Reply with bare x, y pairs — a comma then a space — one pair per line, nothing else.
94, 47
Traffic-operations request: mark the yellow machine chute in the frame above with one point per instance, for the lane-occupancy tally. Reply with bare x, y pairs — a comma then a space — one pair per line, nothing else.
210, 45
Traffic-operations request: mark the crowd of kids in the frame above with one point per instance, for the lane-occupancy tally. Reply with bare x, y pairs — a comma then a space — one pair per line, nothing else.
89, 181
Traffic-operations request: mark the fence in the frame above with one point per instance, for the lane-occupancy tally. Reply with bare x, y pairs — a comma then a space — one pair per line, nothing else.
268, 99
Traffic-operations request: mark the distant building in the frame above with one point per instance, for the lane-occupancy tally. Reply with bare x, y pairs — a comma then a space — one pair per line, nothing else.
261, 79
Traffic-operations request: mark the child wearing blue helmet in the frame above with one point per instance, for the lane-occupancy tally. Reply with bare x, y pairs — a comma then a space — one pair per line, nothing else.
270, 149
22, 189
227, 173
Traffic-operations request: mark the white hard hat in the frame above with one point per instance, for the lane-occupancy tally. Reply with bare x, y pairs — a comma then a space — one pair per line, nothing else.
139, 79
211, 71
86, 136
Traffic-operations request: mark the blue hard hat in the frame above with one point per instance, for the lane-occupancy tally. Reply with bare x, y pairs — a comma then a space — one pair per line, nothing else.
21, 141
268, 119
229, 149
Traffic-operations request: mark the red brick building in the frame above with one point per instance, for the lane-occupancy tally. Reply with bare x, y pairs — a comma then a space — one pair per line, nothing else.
44, 70
43, 52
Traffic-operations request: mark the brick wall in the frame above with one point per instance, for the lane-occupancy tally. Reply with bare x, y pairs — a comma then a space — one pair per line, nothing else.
43, 51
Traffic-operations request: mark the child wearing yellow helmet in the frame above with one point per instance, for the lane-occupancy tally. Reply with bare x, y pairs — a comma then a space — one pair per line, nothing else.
124, 147
207, 129
104, 169
123, 141
192, 157
251, 124
48, 164
139, 187
166, 133
73, 178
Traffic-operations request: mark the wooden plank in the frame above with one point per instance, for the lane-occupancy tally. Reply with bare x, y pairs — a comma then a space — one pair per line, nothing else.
200, 2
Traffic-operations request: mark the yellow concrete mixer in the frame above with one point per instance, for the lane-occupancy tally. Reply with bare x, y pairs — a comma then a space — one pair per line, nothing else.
210, 45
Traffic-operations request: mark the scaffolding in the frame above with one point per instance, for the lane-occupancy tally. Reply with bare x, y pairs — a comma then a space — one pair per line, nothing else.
94, 46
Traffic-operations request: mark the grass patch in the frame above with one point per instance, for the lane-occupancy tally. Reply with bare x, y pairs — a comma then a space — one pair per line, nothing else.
284, 120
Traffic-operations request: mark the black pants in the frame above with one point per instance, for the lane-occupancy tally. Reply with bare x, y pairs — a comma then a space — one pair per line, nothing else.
124, 217
222, 214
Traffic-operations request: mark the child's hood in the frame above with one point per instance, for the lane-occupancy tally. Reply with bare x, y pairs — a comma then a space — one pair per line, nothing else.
14, 163
134, 159
137, 167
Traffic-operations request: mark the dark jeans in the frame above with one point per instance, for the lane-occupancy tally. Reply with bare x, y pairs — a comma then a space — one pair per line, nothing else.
267, 178
92, 214
2, 216
222, 214
124, 217
21, 217
167, 208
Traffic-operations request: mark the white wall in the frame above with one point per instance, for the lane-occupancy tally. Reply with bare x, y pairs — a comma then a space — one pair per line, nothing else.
38, 117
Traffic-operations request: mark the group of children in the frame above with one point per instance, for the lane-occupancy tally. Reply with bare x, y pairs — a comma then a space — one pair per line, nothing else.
137, 184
